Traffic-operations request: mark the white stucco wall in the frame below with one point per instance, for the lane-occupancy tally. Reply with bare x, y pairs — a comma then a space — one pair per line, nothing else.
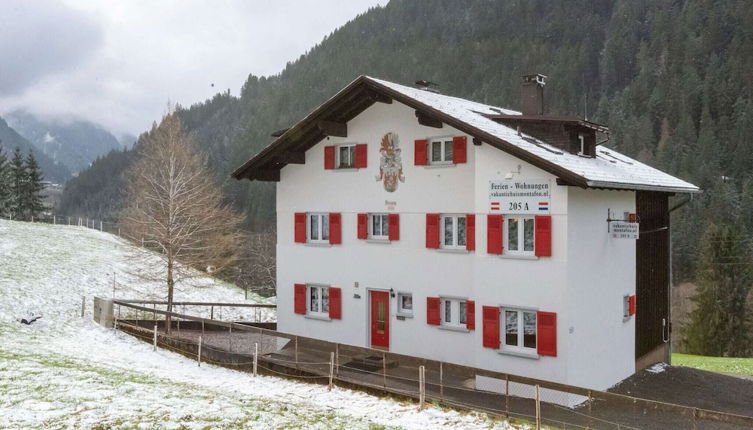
601, 272
558, 284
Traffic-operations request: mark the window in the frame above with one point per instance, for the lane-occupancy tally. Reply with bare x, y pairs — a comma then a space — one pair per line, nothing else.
520, 330
379, 226
346, 157
405, 304
520, 231
318, 300
318, 228
440, 150
454, 312
582, 141
453, 231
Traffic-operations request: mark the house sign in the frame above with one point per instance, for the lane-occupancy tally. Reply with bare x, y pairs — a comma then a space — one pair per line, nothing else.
523, 196
623, 230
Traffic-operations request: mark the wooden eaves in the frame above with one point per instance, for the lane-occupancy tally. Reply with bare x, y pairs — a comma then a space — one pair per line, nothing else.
332, 116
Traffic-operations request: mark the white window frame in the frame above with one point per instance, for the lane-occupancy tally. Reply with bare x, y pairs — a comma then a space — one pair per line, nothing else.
401, 311
352, 154
582, 142
321, 310
455, 226
458, 312
520, 346
385, 226
521, 234
320, 227
443, 141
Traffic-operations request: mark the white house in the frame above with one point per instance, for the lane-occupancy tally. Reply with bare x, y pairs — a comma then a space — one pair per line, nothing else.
438, 227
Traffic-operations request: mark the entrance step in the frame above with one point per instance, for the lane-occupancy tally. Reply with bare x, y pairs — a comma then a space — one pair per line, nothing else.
371, 363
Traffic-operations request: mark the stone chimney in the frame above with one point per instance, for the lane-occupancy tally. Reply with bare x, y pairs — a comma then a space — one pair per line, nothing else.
532, 94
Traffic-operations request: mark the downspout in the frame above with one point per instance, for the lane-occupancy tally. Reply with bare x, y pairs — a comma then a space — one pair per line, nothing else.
668, 355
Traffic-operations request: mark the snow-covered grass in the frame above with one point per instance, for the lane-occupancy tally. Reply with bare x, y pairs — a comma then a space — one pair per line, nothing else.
66, 372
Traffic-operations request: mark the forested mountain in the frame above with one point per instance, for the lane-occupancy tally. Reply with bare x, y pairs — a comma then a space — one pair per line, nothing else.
10, 139
670, 77
74, 144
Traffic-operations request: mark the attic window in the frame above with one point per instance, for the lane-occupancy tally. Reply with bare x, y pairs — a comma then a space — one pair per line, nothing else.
585, 146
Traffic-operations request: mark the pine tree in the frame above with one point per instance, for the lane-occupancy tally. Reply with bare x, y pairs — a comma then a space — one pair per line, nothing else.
32, 187
4, 184
719, 325
17, 178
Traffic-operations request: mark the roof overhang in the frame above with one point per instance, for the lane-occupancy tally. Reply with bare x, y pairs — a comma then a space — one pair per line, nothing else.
330, 119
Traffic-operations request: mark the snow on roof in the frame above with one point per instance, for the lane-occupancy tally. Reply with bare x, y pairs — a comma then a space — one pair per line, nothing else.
608, 169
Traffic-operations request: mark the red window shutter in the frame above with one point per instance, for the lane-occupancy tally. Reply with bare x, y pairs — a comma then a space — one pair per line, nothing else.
543, 235
432, 310
546, 335
363, 226
631, 305
432, 231
470, 315
494, 234
300, 299
394, 226
300, 227
361, 156
329, 157
490, 317
335, 229
459, 149
470, 232
419, 152
335, 303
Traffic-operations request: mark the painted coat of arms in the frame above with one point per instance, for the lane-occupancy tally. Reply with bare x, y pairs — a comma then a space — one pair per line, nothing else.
390, 162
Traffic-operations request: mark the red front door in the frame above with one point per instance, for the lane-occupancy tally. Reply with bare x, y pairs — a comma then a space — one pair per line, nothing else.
380, 319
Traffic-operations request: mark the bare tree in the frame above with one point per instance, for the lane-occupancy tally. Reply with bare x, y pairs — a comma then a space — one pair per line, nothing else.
257, 264
175, 209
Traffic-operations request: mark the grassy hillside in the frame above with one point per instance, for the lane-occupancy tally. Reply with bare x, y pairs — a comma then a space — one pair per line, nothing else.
726, 365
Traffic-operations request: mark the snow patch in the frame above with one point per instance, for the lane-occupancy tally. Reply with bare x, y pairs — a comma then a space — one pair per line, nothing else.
657, 368
65, 371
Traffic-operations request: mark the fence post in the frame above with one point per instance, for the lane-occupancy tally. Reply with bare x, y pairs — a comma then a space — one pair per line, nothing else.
296, 353
54, 220
337, 358
331, 369
32, 219
441, 381
384, 369
538, 408
83, 305
199, 355
230, 337
507, 395
100, 225
590, 400
211, 308
118, 231
256, 356
421, 387
155, 335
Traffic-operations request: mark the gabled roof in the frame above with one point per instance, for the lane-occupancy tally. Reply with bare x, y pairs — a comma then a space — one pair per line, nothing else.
609, 169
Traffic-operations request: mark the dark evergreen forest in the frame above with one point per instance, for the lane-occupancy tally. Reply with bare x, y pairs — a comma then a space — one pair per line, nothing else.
671, 78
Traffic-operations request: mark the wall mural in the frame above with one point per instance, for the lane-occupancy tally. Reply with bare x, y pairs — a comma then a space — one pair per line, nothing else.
390, 163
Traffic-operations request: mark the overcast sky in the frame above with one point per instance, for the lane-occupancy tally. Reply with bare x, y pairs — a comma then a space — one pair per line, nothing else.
118, 63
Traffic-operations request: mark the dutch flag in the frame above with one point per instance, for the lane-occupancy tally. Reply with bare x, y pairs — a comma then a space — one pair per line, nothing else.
543, 206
